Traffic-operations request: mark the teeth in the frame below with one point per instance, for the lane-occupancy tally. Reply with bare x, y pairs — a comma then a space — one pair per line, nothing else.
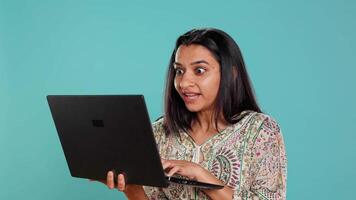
191, 96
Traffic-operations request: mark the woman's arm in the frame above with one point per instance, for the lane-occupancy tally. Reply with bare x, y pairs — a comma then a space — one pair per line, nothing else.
267, 169
196, 172
265, 174
225, 193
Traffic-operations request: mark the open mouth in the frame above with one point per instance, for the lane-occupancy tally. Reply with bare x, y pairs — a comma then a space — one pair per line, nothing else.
190, 96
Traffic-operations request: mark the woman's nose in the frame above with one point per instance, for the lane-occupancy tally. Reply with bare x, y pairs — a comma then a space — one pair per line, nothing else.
186, 81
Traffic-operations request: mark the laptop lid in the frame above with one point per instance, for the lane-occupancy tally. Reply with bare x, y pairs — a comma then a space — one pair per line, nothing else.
99, 133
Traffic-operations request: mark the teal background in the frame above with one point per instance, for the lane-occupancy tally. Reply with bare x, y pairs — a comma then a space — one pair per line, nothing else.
300, 56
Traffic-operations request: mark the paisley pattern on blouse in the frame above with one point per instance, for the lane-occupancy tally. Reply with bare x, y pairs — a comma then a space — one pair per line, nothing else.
248, 156
225, 166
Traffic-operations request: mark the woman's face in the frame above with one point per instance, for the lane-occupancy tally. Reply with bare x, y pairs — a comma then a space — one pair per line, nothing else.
197, 77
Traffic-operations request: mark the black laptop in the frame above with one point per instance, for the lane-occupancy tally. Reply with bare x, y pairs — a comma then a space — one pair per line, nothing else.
101, 133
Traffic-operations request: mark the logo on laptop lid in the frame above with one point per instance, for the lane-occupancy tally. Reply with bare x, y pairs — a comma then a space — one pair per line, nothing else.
98, 123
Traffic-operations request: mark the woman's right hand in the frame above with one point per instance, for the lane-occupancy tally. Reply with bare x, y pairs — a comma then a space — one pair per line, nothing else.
131, 191
120, 181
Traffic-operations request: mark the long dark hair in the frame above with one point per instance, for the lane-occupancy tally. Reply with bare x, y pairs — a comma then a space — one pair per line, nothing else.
235, 92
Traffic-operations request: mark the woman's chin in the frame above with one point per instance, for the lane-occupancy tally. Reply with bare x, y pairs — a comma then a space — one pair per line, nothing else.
193, 108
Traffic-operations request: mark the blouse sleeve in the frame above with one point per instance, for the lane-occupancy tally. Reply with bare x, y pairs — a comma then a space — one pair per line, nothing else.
268, 167
159, 134
154, 193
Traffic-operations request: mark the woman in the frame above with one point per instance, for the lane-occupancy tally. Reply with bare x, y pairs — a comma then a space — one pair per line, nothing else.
213, 130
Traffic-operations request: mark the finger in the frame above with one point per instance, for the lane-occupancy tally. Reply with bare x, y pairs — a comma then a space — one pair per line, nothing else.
121, 182
163, 160
110, 180
174, 170
167, 164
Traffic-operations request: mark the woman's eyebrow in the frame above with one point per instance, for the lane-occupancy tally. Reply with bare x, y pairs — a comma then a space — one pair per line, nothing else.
199, 62
177, 63
192, 63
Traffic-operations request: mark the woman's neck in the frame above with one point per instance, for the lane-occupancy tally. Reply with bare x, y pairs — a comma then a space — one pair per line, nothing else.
205, 122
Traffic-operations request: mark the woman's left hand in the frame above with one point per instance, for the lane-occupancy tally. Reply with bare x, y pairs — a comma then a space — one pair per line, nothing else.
196, 172
185, 168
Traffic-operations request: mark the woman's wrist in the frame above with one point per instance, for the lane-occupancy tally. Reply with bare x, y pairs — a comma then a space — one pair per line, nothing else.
204, 175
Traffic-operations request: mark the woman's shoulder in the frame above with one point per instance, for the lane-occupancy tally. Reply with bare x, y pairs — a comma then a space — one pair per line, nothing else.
158, 124
256, 118
158, 128
264, 127
267, 122
256, 123
266, 117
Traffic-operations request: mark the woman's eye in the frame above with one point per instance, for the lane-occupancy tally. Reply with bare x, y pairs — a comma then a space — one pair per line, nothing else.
179, 71
200, 70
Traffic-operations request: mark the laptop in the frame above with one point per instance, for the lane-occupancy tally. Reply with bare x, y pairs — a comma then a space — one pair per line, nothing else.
101, 133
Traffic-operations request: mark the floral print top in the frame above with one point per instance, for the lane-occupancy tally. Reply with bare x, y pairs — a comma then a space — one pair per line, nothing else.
248, 156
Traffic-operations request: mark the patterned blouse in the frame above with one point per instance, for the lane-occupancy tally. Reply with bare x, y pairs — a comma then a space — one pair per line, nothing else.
248, 156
